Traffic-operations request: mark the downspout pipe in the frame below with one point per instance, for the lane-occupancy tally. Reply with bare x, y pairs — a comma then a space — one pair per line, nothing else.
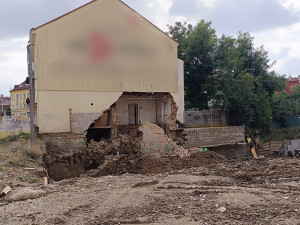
30, 74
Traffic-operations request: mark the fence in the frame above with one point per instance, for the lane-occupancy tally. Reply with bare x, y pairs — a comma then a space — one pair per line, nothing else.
272, 147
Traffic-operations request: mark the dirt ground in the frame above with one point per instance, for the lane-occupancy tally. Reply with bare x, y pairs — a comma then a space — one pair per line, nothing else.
205, 188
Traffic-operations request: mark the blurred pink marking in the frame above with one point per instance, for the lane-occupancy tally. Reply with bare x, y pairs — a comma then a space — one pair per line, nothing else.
100, 47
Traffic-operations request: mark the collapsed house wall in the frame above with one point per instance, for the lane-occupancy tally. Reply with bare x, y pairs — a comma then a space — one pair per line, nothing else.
158, 108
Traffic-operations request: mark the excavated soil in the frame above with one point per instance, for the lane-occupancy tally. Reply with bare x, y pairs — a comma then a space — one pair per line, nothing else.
264, 191
151, 164
145, 149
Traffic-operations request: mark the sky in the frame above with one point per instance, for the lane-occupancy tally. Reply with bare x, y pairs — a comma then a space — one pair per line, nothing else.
275, 24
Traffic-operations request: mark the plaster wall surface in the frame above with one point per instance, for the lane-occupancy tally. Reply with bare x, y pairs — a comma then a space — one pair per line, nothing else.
137, 56
53, 115
179, 96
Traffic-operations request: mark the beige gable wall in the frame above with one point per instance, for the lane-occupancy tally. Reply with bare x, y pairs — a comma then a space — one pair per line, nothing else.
137, 56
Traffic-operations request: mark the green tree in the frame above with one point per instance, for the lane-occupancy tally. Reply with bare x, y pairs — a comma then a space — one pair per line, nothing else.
179, 32
227, 73
282, 108
294, 101
241, 98
199, 64
261, 105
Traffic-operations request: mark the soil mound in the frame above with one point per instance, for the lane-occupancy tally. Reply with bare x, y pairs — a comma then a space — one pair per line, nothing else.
151, 164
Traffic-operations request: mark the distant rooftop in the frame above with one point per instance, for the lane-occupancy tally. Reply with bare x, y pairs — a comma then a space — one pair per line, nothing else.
23, 86
293, 78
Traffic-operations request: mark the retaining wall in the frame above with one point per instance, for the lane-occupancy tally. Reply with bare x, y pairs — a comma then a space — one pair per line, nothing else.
213, 136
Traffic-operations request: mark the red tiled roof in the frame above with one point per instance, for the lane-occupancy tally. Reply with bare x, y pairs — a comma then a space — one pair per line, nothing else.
292, 79
22, 86
34, 28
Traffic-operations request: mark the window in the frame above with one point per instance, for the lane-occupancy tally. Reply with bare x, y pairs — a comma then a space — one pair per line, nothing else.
294, 87
165, 105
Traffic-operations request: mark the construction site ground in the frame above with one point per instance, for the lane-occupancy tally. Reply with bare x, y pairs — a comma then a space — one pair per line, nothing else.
204, 188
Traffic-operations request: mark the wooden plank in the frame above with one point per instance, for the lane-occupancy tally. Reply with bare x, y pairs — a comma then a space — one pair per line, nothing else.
5, 191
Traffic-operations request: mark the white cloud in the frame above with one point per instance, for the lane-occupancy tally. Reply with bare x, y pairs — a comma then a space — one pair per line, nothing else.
13, 63
283, 46
273, 23
293, 5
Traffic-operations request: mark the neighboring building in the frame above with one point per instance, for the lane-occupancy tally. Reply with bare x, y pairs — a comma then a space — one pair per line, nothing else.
4, 105
18, 96
291, 83
105, 66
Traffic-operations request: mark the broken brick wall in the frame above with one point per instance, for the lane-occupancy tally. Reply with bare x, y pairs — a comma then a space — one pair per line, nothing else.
114, 121
173, 115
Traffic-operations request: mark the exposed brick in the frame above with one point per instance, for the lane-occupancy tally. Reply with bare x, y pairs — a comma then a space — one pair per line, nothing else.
114, 121
173, 115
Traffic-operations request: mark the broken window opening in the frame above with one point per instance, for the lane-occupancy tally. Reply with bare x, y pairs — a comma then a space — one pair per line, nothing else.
98, 134
100, 129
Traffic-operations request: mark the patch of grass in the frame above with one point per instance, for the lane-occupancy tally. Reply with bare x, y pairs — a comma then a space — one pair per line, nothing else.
3, 141
26, 136
37, 150
12, 138
12, 162
34, 180
22, 178
16, 163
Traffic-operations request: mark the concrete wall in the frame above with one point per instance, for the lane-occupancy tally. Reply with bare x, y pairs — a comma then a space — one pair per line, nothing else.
212, 136
206, 118
179, 97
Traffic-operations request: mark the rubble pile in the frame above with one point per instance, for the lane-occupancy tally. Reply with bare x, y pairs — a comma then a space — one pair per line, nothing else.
145, 149
155, 141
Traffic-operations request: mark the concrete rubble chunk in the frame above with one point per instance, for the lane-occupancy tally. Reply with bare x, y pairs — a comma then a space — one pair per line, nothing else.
5, 191
155, 140
27, 193
221, 209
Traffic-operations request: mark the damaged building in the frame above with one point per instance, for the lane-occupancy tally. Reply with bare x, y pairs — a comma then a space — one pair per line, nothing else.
103, 68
